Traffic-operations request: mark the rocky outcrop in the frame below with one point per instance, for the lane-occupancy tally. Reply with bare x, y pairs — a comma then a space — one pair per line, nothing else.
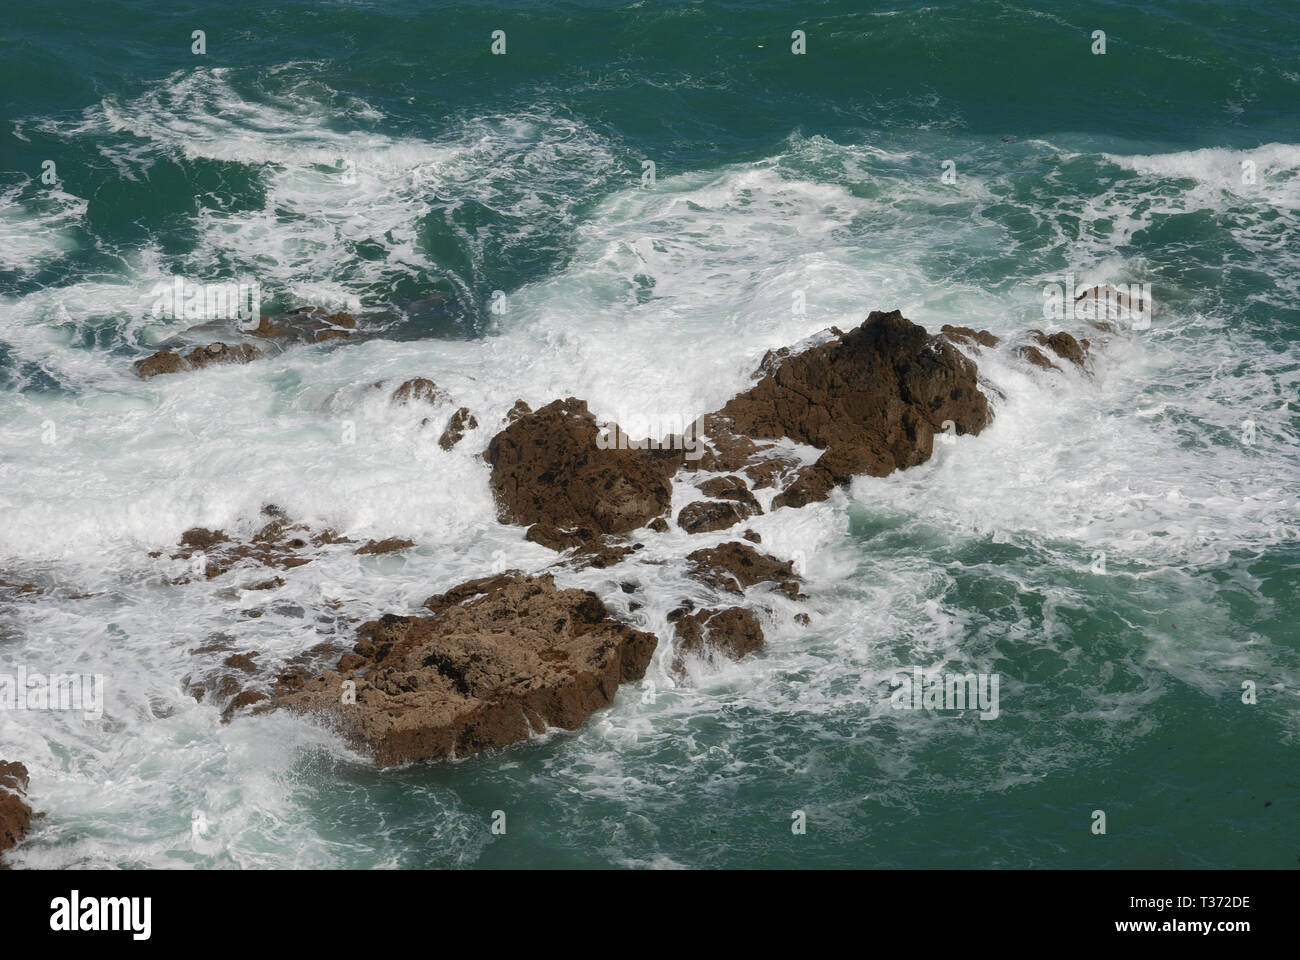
15, 814
872, 398
497, 660
550, 467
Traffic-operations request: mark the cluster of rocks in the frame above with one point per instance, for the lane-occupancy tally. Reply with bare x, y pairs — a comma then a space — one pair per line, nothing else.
496, 659
423, 391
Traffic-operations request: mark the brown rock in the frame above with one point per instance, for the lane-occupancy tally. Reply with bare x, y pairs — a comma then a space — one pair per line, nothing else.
548, 467
730, 488
267, 329
461, 421
422, 389
873, 399
771, 361
501, 658
15, 814
968, 336
602, 556
385, 546
553, 537
201, 538
242, 661
243, 699
164, 361
219, 353
705, 516
734, 632
736, 566
1064, 346
1036, 357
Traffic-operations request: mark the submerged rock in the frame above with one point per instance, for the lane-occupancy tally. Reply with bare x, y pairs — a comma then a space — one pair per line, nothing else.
214, 354
384, 546
303, 325
421, 390
499, 659
278, 543
306, 325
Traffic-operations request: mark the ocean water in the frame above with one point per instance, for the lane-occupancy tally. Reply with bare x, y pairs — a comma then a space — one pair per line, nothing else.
379, 157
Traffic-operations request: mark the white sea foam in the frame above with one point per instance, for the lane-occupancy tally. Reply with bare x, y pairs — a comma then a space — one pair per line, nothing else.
669, 299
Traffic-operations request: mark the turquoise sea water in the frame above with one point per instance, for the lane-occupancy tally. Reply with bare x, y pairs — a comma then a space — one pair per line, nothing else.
379, 157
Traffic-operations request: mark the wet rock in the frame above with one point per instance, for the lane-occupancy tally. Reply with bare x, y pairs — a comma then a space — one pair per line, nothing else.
422, 390
603, 555
278, 543
242, 661
771, 361
16, 588
553, 537
15, 814
733, 632
499, 659
1036, 357
165, 361
548, 467
305, 325
735, 567
706, 516
731, 488
461, 422
384, 546
873, 399
1062, 344
968, 336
